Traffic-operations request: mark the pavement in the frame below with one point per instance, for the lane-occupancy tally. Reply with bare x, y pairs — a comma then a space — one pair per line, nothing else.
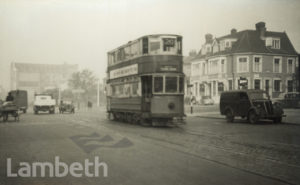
292, 115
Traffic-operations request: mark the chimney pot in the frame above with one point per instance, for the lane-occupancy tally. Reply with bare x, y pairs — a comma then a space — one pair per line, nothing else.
261, 28
233, 31
208, 38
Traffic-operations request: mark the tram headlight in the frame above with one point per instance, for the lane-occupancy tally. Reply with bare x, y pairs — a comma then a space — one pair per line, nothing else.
171, 106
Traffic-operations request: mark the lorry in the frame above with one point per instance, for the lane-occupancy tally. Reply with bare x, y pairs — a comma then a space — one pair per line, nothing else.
44, 103
20, 99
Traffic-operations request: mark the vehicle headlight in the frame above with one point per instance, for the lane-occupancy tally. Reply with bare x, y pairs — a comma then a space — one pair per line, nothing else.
171, 106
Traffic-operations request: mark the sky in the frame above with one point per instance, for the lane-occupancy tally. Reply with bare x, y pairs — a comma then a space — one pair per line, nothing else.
83, 31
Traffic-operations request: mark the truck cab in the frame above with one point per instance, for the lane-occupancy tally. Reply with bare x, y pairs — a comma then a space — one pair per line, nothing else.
44, 103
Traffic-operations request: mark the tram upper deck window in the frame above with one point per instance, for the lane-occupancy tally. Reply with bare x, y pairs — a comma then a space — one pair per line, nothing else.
155, 43
171, 84
158, 84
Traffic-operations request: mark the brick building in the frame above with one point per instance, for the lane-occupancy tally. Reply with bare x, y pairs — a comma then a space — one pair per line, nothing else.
36, 78
253, 59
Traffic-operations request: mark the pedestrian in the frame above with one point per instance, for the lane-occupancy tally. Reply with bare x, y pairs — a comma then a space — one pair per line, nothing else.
9, 97
89, 104
191, 103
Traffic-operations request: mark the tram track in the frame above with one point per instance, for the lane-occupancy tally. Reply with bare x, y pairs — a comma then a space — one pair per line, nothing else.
277, 162
246, 162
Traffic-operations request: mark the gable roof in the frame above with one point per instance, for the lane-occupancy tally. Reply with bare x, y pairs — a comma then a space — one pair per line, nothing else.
250, 41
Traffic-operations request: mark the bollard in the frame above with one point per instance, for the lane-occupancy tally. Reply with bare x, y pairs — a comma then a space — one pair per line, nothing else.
191, 109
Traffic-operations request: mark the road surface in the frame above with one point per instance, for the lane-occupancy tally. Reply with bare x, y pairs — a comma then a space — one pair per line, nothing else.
204, 151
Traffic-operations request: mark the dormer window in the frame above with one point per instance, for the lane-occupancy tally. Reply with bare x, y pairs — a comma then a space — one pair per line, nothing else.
276, 43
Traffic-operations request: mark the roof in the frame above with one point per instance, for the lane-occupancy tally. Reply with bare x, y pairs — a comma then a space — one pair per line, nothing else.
250, 41
56, 68
152, 35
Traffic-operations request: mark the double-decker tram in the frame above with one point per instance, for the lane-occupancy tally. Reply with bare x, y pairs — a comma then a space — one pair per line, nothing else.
145, 81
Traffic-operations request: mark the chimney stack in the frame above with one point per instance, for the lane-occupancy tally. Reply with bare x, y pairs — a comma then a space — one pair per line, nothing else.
233, 31
261, 28
208, 38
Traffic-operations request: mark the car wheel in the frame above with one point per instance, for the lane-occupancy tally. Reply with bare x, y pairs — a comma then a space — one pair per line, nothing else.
252, 117
5, 117
277, 120
229, 116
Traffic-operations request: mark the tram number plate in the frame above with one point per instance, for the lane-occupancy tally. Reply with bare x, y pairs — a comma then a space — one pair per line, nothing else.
169, 42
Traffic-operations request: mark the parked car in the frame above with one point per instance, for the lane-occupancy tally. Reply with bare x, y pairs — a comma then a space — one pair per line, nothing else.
289, 100
207, 100
253, 104
45, 103
66, 106
20, 99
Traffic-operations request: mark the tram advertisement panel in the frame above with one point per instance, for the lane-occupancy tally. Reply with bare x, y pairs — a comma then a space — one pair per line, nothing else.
124, 71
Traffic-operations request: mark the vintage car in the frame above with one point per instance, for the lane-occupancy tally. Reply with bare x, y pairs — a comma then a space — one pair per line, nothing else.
207, 100
250, 104
66, 106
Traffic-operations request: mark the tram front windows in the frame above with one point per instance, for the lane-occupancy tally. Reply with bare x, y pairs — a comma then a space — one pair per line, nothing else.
169, 44
171, 84
158, 84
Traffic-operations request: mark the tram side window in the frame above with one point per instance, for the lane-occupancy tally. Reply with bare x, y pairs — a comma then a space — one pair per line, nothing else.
127, 90
154, 45
158, 84
135, 89
181, 84
127, 52
171, 84
135, 49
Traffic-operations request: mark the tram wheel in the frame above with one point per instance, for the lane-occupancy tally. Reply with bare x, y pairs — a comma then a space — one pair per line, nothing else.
146, 122
128, 117
136, 118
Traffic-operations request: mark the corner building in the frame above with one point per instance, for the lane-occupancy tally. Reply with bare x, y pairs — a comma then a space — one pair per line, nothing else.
249, 59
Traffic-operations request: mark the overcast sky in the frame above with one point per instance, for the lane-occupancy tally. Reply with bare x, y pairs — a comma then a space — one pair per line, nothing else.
82, 31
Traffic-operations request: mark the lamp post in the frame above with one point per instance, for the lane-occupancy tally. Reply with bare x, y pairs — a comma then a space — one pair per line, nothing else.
98, 93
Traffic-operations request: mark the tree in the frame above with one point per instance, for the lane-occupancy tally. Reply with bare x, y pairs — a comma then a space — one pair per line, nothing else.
86, 81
